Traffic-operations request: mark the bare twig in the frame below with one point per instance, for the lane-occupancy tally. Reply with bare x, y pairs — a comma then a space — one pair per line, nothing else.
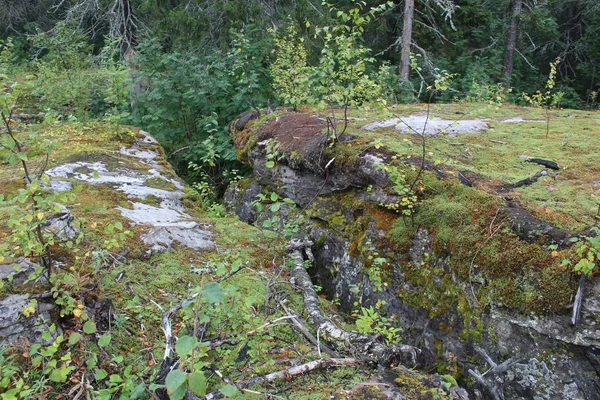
285, 374
309, 336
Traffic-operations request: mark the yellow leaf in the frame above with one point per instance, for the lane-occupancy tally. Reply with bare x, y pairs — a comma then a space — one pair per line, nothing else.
27, 311
40, 216
77, 312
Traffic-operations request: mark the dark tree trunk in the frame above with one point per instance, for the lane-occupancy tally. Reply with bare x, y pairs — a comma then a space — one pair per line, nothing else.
511, 45
409, 11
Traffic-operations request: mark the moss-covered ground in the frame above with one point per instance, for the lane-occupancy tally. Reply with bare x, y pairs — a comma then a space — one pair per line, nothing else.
568, 197
139, 288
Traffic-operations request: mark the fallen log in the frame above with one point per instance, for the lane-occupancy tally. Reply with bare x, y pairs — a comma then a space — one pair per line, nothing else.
541, 161
354, 343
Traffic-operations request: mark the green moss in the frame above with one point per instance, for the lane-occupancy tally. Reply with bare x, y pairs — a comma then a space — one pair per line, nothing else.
160, 183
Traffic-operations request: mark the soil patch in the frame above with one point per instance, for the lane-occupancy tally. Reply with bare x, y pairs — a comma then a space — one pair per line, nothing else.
301, 133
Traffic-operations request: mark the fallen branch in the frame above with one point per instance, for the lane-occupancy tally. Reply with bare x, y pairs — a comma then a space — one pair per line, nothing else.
286, 374
309, 336
269, 323
374, 350
523, 182
541, 161
492, 384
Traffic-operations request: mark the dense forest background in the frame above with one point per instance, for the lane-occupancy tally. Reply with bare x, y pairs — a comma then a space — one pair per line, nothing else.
183, 69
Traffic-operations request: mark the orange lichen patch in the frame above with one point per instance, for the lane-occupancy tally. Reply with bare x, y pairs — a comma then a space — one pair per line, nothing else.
385, 220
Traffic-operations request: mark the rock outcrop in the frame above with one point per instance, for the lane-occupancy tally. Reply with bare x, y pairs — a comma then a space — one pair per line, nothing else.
466, 273
154, 209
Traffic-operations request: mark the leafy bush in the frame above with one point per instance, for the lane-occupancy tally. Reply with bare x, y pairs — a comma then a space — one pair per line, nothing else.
68, 80
187, 99
290, 71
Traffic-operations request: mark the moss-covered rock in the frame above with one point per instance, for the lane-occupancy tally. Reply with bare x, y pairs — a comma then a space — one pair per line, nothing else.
439, 243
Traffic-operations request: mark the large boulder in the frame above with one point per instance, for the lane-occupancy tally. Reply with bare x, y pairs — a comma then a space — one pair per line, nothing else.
466, 273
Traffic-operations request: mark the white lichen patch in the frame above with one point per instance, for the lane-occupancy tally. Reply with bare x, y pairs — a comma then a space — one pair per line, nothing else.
168, 222
516, 120
421, 124
146, 214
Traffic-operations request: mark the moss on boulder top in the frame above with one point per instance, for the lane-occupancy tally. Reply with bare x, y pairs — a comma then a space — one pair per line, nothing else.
462, 252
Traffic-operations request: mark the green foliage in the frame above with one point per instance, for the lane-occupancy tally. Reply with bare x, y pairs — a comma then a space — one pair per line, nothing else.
341, 74
69, 81
187, 101
248, 57
281, 211
549, 98
290, 71
213, 171
29, 208
370, 321
493, 94
588, 252
408, 198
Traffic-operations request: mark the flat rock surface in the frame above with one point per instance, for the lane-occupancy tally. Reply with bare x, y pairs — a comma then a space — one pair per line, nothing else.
168, 222
419, 124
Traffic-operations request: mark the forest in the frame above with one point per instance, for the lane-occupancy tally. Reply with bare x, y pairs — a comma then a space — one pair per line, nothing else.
184, 69
299, 199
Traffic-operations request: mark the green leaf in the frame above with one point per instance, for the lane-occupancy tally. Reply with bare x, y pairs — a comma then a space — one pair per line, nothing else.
175, 384
185, 345
104, 340
139, 392
274, 196
197, 383
213, 292
275, 207
89, 327
100, 374
60, 374
104, 394
229, 391
74, 338
268, 164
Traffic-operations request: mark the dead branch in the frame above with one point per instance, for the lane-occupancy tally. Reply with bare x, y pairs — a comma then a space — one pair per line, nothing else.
492, 384
269, 324
287, 374
356, 343
309, 336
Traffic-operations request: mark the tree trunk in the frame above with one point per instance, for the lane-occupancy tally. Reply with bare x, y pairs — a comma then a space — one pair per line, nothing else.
127, 30
511, 45
409, 11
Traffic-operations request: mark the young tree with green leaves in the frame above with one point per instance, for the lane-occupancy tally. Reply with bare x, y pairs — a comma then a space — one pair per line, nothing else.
290, 71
